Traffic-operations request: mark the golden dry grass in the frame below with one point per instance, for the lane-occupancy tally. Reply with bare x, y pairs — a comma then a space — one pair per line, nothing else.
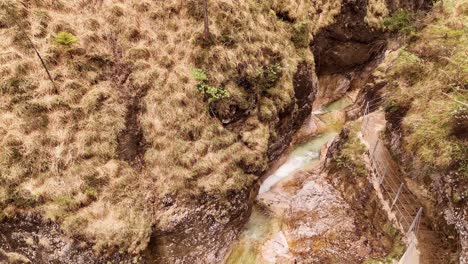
376, 12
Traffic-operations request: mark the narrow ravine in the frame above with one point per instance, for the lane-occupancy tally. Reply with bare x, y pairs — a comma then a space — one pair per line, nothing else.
266, 235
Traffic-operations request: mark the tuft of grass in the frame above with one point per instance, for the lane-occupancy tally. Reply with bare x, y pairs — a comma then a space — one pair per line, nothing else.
376, 12
21, 199
267, 110
15, 86
409, 66
139, 53
268, 76
66, 204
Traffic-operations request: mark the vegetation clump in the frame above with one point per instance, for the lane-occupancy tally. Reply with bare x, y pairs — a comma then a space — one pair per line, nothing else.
300, 36
350, 156
400, 21
211, 93
268, 76
65, 39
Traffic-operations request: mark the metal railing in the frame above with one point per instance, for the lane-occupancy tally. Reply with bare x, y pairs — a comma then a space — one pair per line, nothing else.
400, 200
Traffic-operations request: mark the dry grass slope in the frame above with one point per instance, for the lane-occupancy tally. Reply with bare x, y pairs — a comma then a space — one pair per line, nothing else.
61, 146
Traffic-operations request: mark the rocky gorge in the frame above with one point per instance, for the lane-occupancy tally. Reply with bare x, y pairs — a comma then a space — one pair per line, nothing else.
261, 176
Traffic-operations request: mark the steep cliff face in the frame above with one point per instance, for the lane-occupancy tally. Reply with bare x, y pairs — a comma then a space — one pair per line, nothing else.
343, 50
349, 43
347, 52
204, 234
305, 88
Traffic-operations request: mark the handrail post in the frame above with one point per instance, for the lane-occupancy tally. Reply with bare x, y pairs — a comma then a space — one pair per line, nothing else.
396, 196
415, 221
367, 114
385, 172
375, 147
365, 119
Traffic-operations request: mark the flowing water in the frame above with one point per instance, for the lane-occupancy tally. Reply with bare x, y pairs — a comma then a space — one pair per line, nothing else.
301, 158
261, 227
338, 105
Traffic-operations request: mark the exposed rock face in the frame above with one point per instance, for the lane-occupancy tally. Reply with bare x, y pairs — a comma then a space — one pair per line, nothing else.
347, 44
346, 52
305, 88
319, 225
343, 50
444, 204
204, 231
358, 192
30, 240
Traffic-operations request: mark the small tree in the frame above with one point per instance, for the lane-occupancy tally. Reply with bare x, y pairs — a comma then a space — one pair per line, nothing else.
400, 21
65, 39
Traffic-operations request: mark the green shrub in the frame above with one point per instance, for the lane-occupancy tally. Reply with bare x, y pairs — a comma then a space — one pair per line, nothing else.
211, 93
268, 76
400, 21
350, 156
409, 66
66, 202
65, 39
199, 75
300, 36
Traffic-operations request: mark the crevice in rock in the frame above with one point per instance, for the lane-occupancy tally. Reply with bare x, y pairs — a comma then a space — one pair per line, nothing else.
349, 43
346, 53
284, 16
